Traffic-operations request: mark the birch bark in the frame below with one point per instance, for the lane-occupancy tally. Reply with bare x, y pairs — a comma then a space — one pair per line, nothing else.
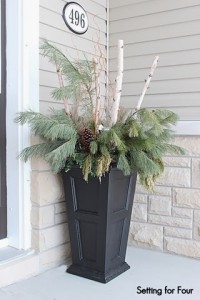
147, 82
118, 87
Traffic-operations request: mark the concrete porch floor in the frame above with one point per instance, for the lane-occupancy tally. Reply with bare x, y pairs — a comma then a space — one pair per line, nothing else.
149, 269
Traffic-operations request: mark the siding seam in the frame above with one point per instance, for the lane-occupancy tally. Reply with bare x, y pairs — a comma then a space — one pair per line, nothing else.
156, 26
150, 14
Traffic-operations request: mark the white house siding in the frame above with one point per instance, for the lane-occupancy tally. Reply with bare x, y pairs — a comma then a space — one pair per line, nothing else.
170, 29
169, 219
53, 28
50, 230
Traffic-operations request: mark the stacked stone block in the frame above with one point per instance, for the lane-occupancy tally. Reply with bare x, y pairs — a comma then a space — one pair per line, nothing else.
169, 219
50, 236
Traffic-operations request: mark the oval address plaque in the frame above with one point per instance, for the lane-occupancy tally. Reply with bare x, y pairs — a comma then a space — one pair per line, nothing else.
75, 17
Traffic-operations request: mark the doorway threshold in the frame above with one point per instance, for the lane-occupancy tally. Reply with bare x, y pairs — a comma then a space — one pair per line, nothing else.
3, 243
8, 254
16, 265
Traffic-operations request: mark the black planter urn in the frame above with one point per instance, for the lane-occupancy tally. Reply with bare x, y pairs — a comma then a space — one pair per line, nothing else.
99, 216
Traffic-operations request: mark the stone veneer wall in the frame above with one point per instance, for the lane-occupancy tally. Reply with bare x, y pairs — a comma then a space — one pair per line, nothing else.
50, 237
169, 219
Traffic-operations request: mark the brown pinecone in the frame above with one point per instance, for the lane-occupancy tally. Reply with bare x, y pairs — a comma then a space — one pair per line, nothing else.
86, 137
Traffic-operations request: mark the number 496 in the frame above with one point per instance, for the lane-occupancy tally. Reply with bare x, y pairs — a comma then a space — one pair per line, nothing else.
77, 18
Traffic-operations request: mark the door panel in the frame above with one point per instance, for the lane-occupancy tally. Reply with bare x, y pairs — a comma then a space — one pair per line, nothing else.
3, 202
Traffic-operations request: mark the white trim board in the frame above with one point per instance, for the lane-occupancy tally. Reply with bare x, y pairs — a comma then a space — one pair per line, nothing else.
187, 128
22, 93
3, 243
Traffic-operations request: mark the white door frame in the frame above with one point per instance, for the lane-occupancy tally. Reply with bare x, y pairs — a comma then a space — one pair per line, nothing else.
22, 93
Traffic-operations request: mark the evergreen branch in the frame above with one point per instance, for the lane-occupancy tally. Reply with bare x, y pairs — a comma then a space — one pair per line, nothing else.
53, 127
39, 150
166, 117
26, 117
116, 140
148, 118
103, 164
173, 149
57, 158
63, 92
75, 73
133, 130
93, 147
60, 131
123, 164
87, 167
57, 57
148, 180
143, 163
99, 170
104, 150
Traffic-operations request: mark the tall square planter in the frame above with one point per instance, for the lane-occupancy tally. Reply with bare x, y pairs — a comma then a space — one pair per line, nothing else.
99, 214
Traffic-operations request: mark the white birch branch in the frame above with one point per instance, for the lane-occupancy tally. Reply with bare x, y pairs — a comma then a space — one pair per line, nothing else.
119, 78
147, 82
98, 98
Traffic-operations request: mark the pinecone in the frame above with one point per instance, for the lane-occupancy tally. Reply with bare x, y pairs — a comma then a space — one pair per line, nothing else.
86, 137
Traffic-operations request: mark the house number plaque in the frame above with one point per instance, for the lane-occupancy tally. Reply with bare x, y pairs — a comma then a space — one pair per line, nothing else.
75, 17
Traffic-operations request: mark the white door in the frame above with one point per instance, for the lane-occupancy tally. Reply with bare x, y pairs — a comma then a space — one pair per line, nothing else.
3, 202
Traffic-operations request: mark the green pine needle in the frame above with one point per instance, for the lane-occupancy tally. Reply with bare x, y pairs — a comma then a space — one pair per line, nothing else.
87, 167
39, 150
93, 147
58, 157
123, 164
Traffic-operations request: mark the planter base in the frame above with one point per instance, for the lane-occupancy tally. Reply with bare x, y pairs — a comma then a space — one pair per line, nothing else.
99, 216
95, 275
